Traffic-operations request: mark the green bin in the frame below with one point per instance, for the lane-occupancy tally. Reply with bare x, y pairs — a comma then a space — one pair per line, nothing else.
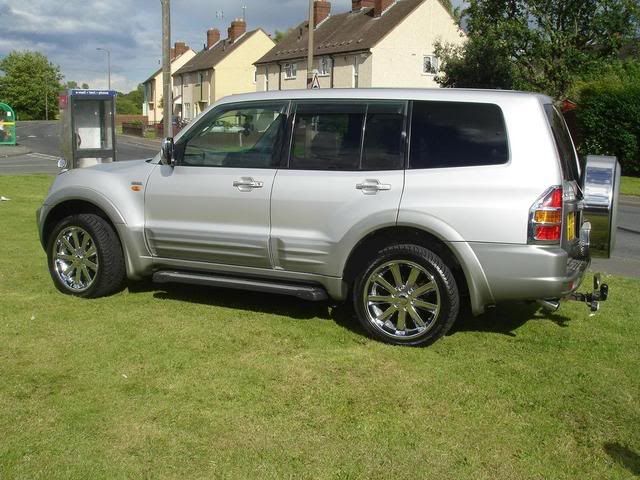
7, 125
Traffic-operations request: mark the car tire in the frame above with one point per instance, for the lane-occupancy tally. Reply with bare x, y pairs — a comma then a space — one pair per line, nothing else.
85, 257
406, 296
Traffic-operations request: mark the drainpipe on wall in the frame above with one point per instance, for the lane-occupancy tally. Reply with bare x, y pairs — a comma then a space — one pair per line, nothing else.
280, 77
333, 64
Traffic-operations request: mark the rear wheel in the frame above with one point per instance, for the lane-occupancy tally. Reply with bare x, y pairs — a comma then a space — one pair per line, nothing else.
85, 257
406, 296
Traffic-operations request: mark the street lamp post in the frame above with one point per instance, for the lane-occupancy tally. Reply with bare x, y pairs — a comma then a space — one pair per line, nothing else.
108, 64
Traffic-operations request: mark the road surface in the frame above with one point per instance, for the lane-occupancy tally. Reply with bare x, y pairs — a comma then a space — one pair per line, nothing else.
43, 139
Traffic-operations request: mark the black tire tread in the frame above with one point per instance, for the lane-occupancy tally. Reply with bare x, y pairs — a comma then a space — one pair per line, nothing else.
112, 272
448, 288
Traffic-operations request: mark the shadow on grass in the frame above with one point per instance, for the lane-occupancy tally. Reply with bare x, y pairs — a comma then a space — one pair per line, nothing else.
624, 456
504, 320
238, 299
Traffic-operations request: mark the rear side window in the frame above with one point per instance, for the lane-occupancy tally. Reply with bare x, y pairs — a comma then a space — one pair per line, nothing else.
327, 137
384, 137
348, 136
564, 144
455, 134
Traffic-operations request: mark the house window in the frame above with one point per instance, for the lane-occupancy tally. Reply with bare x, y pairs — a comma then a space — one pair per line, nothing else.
255, 75
324, 69
429, 65
290, 71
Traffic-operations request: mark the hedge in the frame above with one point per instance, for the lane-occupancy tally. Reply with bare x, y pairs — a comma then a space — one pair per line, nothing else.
608, 117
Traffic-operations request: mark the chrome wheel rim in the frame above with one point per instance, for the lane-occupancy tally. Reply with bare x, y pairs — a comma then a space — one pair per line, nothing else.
401, 299
75, 259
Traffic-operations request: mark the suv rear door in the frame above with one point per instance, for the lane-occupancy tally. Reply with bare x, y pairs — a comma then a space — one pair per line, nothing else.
344, 179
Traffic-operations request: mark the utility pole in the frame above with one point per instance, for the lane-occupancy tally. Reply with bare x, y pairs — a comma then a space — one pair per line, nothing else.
108, 65
310, 47
166, 68
46, 103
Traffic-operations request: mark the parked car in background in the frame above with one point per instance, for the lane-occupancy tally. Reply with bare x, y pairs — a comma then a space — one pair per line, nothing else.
405, 203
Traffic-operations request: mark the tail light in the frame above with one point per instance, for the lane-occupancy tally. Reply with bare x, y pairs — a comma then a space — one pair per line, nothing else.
545, 217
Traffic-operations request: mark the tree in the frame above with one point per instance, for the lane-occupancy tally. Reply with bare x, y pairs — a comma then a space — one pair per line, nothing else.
541, 45
279, 35
85, 86
72, 84
130, 103
30, 84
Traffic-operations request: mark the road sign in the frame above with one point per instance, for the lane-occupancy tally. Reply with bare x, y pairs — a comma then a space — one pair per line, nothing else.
315, 83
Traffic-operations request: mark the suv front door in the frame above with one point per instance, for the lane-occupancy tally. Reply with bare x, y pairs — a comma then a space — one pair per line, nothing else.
345, 178
213, 206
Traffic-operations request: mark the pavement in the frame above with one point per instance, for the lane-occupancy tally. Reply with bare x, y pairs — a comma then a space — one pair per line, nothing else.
13, 151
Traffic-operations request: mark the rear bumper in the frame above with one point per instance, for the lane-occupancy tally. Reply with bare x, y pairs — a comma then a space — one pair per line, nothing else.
529, 272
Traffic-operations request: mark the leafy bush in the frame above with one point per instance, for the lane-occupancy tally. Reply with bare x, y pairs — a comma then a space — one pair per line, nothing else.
609, 116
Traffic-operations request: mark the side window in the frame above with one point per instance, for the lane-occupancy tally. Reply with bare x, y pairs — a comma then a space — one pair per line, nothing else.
248, 136
456, 134
384, 137
327, 137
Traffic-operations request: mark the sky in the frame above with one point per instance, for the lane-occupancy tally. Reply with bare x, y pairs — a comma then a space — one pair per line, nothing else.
68, 32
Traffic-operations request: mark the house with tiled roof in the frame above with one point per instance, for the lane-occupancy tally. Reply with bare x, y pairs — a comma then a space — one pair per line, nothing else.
153, 89
224, 67
379, 43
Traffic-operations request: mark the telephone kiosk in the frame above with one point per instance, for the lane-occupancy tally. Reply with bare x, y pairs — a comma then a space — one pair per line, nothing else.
88, 127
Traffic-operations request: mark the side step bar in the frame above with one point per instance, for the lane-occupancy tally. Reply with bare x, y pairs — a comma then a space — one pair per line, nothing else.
306, 292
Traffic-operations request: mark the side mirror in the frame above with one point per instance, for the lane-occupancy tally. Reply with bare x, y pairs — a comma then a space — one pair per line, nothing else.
168, 157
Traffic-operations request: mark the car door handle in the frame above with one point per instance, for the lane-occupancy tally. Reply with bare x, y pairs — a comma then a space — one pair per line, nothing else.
371, 187
246, 184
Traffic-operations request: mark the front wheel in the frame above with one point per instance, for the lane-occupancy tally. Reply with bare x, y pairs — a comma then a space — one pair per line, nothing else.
85, 257
406, 296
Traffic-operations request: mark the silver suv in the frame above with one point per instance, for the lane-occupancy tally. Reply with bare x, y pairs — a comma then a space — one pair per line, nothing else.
404, 202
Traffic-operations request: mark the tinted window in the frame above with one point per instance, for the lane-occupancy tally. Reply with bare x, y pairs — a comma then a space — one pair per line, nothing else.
564, 144
452, 134
327, 137
249, 137
384, 139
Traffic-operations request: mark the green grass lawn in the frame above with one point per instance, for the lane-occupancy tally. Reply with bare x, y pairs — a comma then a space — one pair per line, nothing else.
630, 186
187, 382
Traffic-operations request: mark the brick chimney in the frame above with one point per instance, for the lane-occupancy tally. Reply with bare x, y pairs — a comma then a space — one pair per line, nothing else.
173, 53
321, 10
213, 37
380, 6
180, 48
238, 28
357, 5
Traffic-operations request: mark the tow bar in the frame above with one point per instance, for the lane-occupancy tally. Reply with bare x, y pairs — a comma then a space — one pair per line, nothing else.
600, 294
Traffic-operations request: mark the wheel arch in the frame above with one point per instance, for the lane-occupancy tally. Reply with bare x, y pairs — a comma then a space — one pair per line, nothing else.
458, 256
73, 207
